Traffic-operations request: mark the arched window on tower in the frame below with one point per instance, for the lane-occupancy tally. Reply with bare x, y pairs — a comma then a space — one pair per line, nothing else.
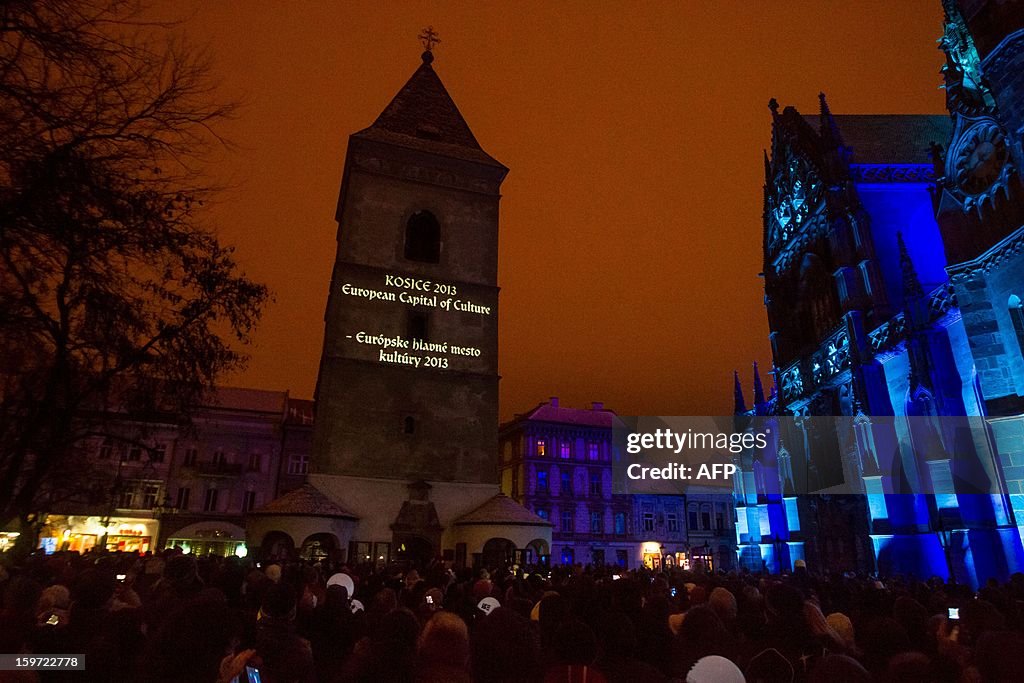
1016, 307
423, 238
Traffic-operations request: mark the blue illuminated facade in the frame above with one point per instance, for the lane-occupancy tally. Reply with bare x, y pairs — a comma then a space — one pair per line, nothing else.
894, 281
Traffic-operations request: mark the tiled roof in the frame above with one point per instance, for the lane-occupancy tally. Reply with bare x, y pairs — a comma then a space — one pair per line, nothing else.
307, 500
890, 138
501, 510
423, 116
257, 400
546, 412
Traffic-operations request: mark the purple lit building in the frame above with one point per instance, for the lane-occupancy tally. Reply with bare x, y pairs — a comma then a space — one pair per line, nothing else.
557, 462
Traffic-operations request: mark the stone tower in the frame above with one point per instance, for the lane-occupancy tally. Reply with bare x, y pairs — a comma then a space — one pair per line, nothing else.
408, 383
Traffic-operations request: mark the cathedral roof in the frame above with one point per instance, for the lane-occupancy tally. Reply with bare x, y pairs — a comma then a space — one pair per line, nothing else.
307, 500
501, 510
423, 116
890, 138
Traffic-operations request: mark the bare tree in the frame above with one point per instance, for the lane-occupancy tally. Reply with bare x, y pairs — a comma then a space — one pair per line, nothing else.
113, 295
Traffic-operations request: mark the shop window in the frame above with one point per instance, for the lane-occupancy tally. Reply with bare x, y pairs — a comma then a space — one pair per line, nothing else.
568, 556
423, 238
622, 559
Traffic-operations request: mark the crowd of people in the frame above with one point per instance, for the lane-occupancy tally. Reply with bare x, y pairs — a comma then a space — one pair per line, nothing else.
174, 617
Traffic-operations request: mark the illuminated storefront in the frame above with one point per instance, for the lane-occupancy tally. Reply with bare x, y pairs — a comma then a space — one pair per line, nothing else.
209, 538
79, 533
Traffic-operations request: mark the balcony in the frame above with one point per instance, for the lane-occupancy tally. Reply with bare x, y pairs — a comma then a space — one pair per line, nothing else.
217, 469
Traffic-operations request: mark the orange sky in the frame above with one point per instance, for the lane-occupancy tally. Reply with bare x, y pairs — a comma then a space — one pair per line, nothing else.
631, 218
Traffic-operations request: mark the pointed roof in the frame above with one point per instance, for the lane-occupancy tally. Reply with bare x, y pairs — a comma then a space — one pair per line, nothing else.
739, 403
758, 389
423, 116
305, 501
911, 284
501, 510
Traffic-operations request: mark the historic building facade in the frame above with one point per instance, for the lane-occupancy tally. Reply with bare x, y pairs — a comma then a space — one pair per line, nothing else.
557, 461
893, 266
406, 425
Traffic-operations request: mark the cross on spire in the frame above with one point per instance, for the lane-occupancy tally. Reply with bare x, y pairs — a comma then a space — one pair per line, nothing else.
429, 38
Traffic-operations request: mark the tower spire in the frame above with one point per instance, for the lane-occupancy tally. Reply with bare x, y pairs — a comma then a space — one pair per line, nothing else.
827, 124
911, 284
758, 389
739, 403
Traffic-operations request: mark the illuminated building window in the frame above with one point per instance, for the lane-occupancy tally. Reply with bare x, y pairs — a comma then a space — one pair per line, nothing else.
648, 521
248, 501
158, 453
298, 464
673, 521
566, 522
191, 455
620, 524
423, 238
566, 483
254, 462
150, 496
595, 522
210, 503
540, 448
568, 557
565, 450
542, 481
593, 452
595, 483
126, 499
106, 449
183, 495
